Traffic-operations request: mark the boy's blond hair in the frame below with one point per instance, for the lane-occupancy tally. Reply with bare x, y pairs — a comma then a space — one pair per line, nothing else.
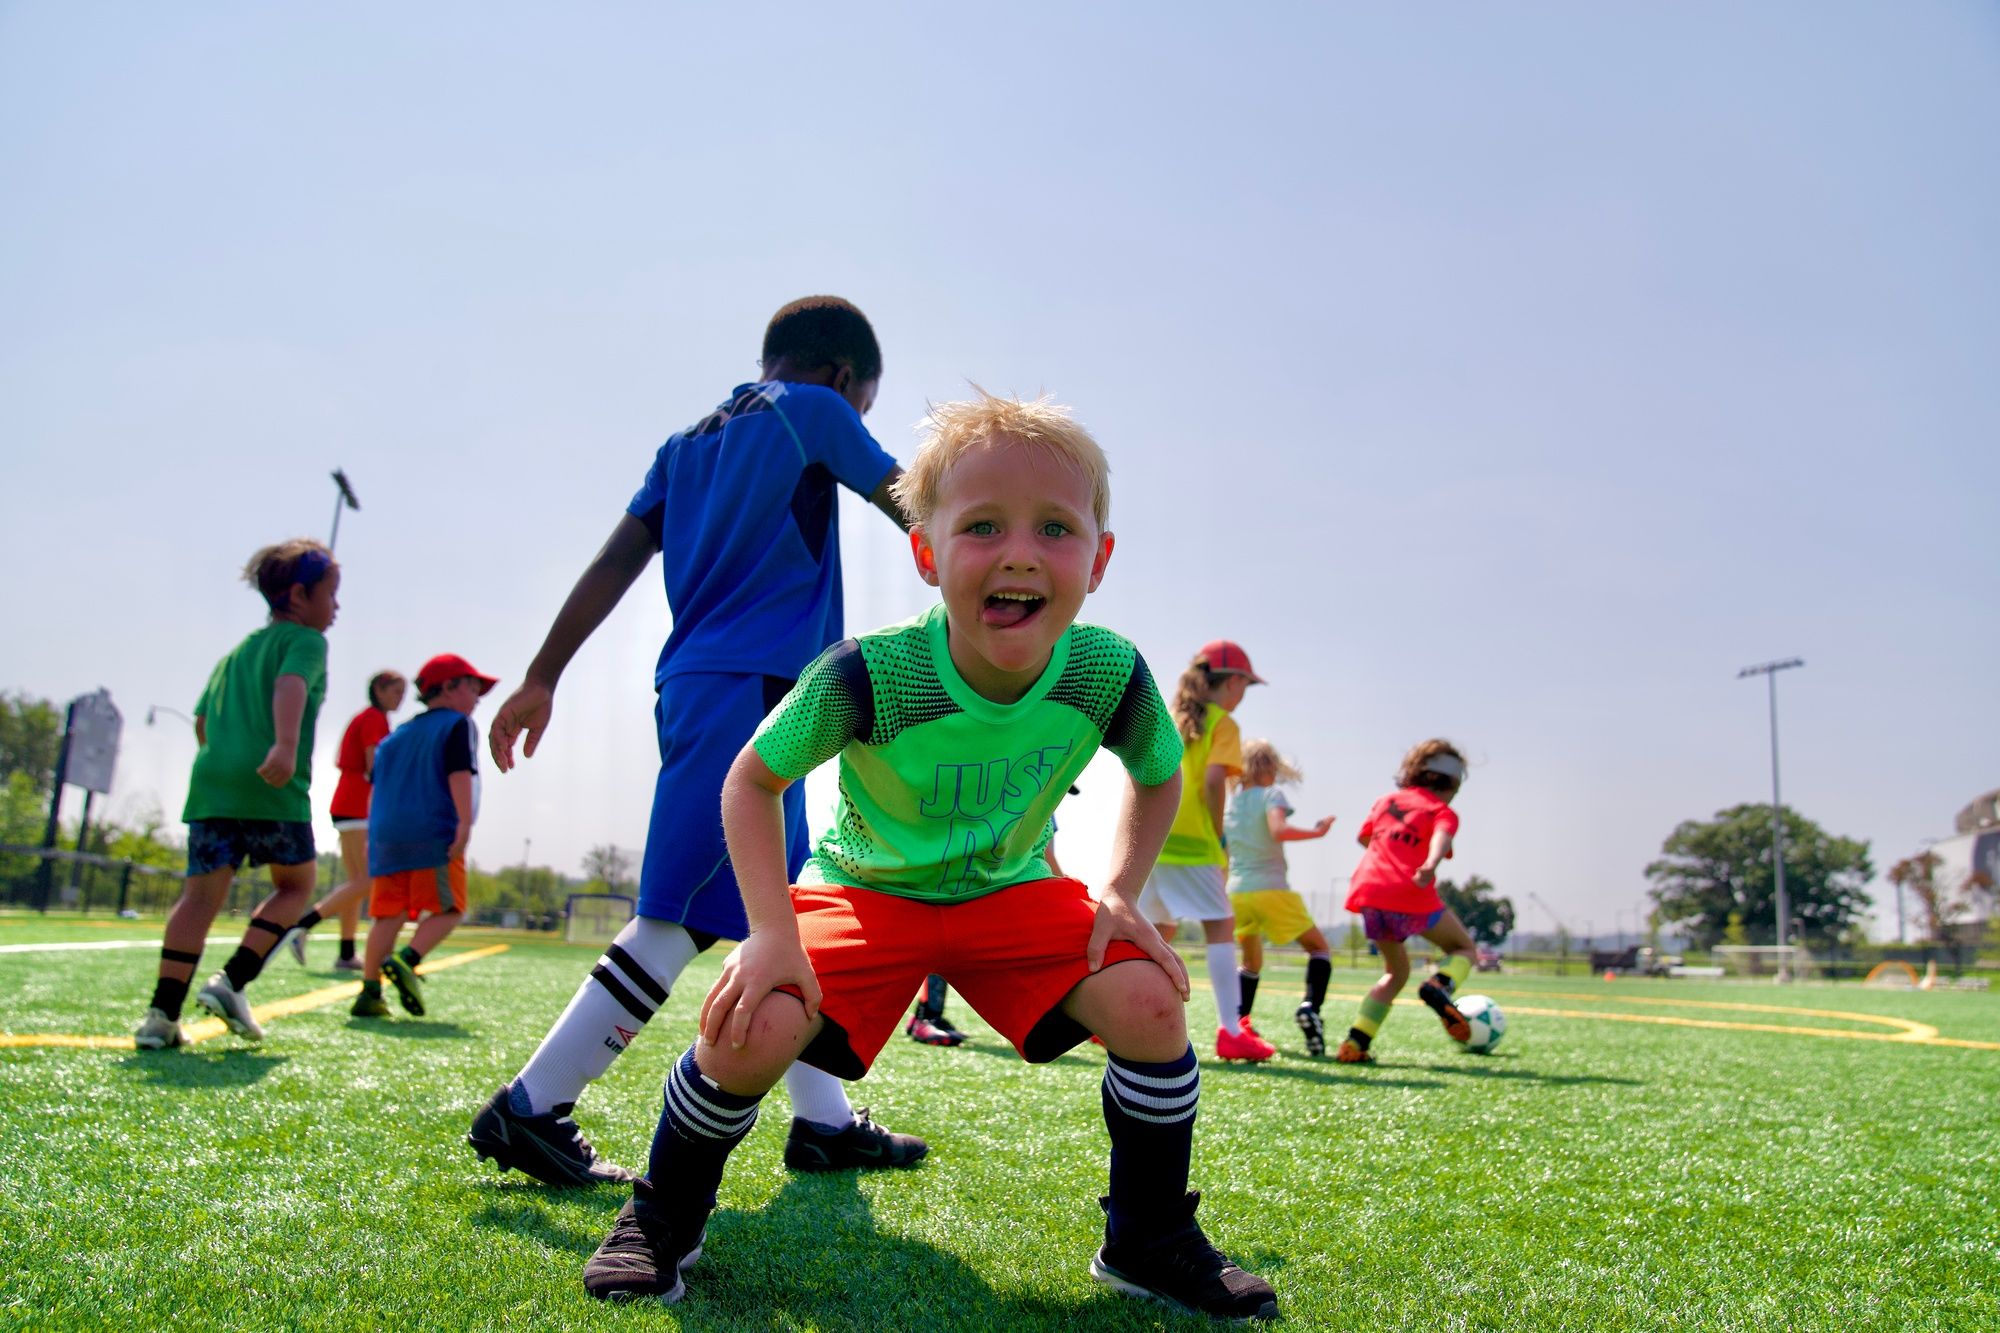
1262, 765
275, 568
953, 430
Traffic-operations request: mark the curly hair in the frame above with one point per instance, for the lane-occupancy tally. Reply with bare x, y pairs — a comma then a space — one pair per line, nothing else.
1412, 772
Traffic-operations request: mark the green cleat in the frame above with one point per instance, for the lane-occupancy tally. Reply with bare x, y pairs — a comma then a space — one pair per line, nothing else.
370, 1004
408, 988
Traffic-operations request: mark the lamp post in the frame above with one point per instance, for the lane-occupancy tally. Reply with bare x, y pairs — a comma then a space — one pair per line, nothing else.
152, 710
1769, 671
344, 500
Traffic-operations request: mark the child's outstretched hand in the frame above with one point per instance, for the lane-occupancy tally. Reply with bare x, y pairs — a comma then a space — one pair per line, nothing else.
279, 765
1320, 828
526, 709
755, 968
1119, 920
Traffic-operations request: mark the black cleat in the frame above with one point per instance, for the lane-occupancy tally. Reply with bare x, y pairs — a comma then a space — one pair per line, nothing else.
1313, 1027
549, 1148
1439, 999
1180, 1267
409, 989
863, 1145
645, 1255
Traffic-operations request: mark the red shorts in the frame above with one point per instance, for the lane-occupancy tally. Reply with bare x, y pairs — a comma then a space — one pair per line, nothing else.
1012, 955
411, 893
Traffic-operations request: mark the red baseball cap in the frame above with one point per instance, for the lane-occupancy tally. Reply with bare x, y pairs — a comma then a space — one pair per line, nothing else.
1225, 655
448, 667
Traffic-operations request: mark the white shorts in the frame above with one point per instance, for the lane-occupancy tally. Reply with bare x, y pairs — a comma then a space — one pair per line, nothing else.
350, 825
1185, 893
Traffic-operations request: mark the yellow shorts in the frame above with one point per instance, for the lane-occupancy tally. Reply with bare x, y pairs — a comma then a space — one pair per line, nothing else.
1279, 915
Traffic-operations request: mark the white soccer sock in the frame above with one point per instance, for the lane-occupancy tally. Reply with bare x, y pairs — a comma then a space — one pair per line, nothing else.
1222, 976
626, 988
818, 1098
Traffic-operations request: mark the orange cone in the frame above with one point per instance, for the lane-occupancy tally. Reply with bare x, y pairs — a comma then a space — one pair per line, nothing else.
1609, 975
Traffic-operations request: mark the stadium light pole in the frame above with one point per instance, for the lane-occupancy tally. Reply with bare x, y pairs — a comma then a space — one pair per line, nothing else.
1769, 671
344, 499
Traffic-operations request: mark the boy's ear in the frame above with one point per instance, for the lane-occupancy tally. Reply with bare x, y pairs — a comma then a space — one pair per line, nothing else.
926, 558
1105, 542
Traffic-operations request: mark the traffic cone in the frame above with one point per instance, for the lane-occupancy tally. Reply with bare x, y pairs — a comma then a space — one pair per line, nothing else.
1609, 975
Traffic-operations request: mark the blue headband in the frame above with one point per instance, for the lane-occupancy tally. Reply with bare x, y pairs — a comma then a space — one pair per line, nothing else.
311, 568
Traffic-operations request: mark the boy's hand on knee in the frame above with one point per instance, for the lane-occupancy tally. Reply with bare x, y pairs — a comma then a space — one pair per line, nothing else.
755, 968
1119, 920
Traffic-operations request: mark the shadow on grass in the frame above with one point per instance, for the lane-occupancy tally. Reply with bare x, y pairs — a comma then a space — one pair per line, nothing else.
1322, 1071
420, 1029
231, 1067
521, 1207
1486, 1069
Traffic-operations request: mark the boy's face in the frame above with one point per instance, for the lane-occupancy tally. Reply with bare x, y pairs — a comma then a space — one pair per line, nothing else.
860, 394
316, 607
1014, 549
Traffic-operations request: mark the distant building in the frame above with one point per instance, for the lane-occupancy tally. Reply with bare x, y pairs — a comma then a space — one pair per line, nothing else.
1970, 858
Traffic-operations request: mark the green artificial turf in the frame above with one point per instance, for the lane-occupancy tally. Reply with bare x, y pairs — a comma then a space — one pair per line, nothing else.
1589, 1174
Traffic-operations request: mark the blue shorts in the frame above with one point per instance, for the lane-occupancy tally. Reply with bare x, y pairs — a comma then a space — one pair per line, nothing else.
225, 844
1398, 926
705, 719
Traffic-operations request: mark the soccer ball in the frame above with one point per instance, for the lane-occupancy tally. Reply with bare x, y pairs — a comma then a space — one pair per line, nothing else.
1488, 1024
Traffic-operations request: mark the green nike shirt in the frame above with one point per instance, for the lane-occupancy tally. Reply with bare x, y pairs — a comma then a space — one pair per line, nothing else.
945, 795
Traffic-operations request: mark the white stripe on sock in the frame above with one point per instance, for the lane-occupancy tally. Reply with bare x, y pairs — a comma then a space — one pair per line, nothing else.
694, 1112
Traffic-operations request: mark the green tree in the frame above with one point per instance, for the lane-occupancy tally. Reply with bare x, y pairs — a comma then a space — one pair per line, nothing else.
1487, 916
1709, 869
30, 737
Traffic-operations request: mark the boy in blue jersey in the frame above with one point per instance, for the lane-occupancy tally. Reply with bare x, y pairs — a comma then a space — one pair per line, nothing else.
742, 508
956, 735
419, 821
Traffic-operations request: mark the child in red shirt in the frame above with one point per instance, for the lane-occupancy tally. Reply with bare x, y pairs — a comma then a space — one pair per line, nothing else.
1408, 835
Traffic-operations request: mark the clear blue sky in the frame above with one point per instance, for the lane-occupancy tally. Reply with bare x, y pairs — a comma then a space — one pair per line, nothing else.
1515, 376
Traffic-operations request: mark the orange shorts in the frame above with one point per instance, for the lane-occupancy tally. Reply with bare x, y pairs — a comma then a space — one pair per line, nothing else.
411, 893
1012, 955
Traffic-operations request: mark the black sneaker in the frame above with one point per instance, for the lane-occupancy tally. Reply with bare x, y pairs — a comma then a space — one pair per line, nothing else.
1313, 1027
1180, 1267
1439, 999
644, 1256
549, 1148
863, 1145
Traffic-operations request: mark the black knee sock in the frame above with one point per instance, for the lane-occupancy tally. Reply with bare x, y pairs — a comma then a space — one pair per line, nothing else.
1150, 1110
409, 954
310, 919
169, 996
934, 992
1246, 983
699, 1126
244, 965
346, 948
1319, 970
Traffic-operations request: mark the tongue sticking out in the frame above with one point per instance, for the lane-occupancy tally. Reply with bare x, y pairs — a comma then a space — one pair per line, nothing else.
1007, 612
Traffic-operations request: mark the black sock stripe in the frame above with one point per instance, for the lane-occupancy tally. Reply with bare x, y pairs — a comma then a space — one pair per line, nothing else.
607, 979
178, 956
638, 976
265, 923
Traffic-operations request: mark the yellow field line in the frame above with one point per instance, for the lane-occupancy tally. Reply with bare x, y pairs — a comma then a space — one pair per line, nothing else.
1908, 1034
214, 1027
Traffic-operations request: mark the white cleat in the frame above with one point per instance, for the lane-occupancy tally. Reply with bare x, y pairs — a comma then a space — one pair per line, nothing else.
227, 1003
158, 1032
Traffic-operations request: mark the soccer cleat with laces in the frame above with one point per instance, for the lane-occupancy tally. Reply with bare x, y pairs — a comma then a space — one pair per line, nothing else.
1245, 1045
159, 1032
227, 1003
645, 1254
862, 1145
932, 1031
1177, 1265
409, 989
1352, 1052
295, 940
549, 1147
1312, 1027
1439, 999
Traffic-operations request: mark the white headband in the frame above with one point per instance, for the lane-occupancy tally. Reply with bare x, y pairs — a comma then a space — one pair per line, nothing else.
1445, 765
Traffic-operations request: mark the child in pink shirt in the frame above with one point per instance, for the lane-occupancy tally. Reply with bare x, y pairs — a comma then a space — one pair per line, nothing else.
1408, 835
